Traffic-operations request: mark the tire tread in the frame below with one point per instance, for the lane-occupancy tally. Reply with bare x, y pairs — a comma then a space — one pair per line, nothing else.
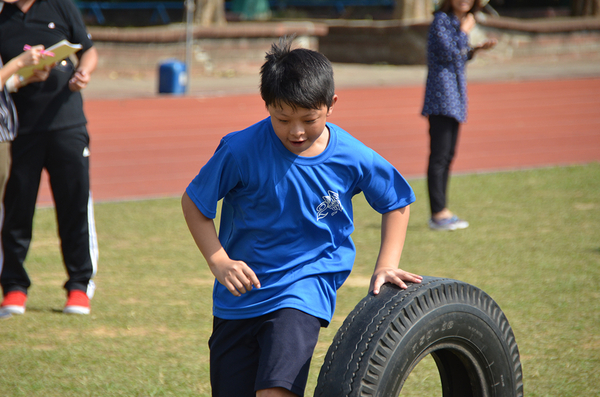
372, 347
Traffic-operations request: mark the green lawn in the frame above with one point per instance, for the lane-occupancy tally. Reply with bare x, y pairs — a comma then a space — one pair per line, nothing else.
533, 245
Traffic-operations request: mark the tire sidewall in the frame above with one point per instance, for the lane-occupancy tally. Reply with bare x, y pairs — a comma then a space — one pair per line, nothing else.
385, 337
453, 326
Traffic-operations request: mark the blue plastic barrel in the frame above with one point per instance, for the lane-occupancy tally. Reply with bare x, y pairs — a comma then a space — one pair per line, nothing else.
172, 77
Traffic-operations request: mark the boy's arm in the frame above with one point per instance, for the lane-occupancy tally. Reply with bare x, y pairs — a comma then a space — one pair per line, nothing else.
236, 276
393, 234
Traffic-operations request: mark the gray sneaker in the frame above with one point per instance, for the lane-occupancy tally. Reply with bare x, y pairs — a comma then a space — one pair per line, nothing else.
453, 223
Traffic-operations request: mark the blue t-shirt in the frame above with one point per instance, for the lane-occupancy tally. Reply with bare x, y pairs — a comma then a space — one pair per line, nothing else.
290, 217
447, 53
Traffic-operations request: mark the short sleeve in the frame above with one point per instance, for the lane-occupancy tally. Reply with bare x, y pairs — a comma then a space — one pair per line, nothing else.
79, 33
217, 177
385, 189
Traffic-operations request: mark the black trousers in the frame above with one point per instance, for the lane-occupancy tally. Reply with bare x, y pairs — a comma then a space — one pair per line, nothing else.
443, 133
65, 155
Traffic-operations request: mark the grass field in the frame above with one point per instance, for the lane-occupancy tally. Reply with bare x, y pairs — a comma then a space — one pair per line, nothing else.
533, 245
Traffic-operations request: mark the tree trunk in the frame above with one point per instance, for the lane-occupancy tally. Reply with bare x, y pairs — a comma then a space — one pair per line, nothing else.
210, 12
413, 9
580, 8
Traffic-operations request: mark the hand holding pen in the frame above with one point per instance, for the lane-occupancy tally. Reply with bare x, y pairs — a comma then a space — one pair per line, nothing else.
31, 57
44, 52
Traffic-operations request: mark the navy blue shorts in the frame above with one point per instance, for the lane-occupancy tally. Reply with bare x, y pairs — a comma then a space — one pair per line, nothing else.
273, 350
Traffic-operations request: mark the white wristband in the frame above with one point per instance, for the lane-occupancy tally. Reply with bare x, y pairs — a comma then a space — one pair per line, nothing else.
11, 84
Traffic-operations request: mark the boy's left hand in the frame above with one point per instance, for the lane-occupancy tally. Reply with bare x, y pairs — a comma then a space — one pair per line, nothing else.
394, 276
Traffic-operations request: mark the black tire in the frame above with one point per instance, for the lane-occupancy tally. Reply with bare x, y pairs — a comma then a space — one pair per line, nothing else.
387, 335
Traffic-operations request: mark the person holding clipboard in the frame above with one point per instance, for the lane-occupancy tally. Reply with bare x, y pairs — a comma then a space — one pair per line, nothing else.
52, 135
9, 82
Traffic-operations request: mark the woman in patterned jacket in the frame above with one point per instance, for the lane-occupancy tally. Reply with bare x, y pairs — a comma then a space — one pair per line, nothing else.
446, 99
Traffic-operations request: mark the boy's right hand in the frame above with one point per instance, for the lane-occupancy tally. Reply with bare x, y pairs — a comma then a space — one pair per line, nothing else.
236, 276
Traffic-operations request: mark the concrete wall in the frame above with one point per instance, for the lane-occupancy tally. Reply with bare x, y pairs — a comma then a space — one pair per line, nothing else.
392, 42
239, 48
226, 56
399, 43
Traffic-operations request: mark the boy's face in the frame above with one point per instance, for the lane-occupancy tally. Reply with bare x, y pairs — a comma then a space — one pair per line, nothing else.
302, 131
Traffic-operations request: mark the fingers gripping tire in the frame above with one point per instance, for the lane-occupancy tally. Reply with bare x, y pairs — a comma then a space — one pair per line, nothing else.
386, 336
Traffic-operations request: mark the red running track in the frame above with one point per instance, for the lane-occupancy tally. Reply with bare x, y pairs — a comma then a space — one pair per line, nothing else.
146, 148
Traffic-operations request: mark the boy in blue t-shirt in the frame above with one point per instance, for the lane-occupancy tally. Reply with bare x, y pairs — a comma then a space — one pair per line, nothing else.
284, 245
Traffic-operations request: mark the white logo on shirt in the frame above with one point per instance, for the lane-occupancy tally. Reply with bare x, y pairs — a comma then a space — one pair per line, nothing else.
331, 202
51, 25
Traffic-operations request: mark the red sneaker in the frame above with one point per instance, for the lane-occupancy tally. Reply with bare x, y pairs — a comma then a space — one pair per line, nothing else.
77, 303
14, 302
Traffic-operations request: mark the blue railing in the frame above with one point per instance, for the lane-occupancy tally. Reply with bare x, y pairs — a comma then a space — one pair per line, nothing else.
339, 5
159, 8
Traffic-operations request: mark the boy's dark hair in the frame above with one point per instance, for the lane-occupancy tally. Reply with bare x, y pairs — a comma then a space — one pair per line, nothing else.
298, 78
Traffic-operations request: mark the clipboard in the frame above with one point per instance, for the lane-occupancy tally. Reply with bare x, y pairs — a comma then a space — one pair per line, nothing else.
61, 50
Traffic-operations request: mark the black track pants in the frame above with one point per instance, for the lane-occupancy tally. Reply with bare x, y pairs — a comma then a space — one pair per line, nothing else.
443, 132
65, 155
